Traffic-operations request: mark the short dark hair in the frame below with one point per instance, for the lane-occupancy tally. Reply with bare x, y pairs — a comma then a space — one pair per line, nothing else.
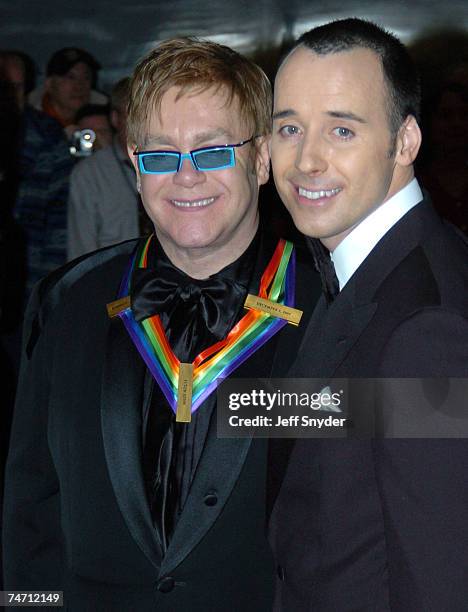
400, 73
63, 60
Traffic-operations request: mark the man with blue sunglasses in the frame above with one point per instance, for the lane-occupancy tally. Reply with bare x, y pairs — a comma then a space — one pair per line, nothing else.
203, 159
119, 492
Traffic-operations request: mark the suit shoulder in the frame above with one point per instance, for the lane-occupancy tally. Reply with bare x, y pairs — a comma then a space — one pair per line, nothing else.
447, 253
432, 274
51, 291
53, 286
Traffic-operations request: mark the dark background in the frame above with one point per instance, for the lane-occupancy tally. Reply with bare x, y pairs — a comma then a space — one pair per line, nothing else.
119, 32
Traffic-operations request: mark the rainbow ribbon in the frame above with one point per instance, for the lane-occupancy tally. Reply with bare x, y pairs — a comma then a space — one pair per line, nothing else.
217, 362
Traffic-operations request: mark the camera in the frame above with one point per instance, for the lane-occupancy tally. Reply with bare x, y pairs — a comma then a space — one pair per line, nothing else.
82, 143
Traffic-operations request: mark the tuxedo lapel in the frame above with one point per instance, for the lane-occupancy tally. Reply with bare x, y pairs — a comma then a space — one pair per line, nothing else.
217, 473
123, 396
289, 346
333, 330
330, 335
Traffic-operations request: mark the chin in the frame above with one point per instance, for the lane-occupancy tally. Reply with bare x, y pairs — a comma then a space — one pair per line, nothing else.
304, 225
192, 241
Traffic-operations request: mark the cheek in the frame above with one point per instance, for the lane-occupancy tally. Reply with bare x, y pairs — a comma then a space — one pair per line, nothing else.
282, 158
237, 181
151, 188
357, 166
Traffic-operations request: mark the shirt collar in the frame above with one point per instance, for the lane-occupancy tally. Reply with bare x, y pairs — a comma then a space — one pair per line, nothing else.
353, 250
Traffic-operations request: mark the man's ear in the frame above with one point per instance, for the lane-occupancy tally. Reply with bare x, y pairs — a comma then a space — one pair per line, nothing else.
262, 159
133, 158
408, 142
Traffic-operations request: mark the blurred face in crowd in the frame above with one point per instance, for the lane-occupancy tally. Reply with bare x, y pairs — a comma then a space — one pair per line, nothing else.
13, 72
334, 158
71, 91
196, 212
101, 126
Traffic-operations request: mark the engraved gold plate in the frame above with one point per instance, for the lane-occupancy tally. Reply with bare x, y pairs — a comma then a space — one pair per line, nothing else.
292, 315
184, 393
114, 308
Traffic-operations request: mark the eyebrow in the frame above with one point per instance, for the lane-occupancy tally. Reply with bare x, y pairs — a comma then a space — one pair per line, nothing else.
336, 114
283, 114
346, 115
200, 138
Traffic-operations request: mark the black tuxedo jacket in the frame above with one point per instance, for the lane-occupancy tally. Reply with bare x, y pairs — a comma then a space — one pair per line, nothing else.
375, 525
76, 513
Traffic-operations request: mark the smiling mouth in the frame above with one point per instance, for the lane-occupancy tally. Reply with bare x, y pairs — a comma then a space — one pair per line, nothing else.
317, 195
193, 203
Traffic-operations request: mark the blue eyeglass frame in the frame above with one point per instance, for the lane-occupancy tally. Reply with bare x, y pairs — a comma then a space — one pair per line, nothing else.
192, 155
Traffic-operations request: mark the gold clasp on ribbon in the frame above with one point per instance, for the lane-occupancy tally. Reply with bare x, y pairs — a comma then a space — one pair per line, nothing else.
292, 315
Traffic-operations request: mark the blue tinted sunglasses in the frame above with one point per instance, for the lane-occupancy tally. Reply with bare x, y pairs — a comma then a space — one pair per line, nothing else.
205, 159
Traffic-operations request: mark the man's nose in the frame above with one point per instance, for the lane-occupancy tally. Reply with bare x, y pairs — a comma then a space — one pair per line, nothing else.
311, 157
188, 175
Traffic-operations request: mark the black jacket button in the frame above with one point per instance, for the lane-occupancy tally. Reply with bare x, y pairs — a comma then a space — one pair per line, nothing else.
211, 499
165, 585
281, 573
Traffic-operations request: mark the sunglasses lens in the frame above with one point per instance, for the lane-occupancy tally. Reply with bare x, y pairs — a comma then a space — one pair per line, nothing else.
160, 162
215, 158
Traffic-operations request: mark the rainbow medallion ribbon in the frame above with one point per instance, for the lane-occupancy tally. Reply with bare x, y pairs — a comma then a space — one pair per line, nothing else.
186, 386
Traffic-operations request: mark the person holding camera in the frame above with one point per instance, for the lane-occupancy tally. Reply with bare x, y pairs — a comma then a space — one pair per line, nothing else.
104, 205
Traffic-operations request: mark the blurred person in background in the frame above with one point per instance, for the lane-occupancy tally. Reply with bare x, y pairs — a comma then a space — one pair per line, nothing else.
104, 203
43, 171
71, 76
96, 117
18, 69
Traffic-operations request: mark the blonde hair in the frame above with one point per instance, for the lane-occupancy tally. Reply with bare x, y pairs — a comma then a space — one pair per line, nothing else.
196, 65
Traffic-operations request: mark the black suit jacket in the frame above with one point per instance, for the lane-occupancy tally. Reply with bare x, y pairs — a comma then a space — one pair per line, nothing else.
76, 513
381, 525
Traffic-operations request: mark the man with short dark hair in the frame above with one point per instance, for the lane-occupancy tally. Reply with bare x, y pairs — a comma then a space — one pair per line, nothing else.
368, 524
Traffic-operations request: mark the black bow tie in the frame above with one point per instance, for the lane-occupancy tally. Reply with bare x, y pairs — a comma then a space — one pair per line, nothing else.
194, 312
325, 268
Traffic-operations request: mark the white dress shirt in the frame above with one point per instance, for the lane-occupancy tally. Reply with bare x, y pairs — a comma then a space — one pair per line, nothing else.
353, 250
